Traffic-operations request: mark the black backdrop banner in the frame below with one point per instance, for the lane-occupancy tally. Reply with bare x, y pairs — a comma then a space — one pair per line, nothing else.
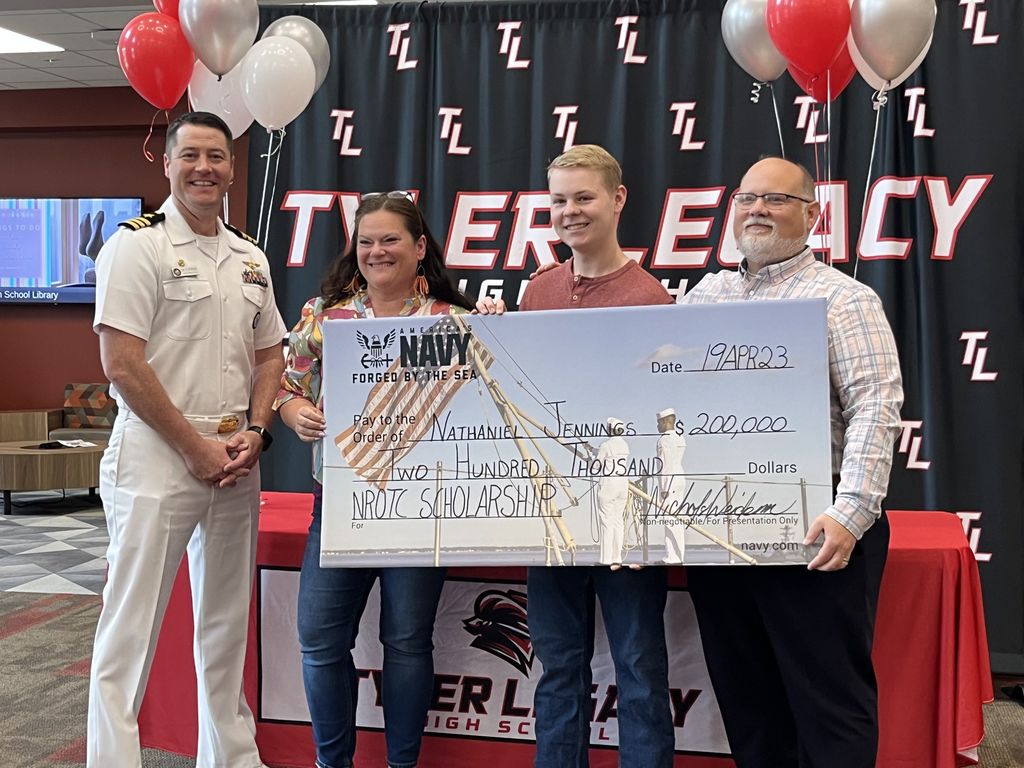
465, 104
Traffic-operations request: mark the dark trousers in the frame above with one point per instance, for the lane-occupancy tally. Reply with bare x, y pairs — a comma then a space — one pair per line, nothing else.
789, 654
561, 617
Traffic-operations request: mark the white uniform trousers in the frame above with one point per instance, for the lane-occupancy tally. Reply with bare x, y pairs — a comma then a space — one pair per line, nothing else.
675, 533
156, 510
612, 495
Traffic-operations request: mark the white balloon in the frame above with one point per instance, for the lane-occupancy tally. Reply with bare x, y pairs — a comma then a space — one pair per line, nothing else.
221, 96
278, 77
219, 31
310, 36
872, 78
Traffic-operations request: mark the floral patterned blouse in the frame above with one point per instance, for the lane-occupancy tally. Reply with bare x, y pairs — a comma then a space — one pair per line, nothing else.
302, 375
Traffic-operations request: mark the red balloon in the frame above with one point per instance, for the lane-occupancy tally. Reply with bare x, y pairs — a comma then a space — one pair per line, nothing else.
817, 86
167, 7
809, 33
156, 58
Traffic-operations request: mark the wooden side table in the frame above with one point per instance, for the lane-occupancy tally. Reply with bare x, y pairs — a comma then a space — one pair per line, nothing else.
29, 424
23, 467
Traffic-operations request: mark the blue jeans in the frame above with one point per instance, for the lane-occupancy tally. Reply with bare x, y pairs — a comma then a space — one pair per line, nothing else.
331, 602
561, 620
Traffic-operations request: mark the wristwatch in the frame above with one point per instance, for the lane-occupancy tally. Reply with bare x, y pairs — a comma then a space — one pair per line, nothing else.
265, 434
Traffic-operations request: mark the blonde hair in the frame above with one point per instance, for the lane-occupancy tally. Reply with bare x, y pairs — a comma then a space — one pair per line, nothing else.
594, 158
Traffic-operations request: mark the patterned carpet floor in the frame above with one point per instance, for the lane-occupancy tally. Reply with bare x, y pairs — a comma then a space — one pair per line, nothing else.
53, 544
51, 573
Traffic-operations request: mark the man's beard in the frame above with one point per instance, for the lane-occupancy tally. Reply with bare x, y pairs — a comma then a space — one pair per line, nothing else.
763, 250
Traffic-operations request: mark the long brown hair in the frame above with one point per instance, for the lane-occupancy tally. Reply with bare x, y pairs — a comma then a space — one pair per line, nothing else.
344, 274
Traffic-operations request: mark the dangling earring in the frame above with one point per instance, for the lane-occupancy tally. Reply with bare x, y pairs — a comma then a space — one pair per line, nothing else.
420, 286
354, 285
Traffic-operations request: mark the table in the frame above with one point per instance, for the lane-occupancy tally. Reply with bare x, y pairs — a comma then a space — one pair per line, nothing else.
930, 654
29, 424
25, 467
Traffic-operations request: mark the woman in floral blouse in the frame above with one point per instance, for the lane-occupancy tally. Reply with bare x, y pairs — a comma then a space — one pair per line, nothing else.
392, 267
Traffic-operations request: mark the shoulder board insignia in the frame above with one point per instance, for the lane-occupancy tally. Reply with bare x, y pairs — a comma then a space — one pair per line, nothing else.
145, 220
241, 234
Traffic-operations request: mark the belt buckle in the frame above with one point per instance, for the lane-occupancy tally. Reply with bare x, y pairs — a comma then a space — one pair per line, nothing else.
227, 424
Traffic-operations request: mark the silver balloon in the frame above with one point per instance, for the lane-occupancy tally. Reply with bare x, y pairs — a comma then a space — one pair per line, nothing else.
305, 32
219, 31
890, 34
745, 32
871, 77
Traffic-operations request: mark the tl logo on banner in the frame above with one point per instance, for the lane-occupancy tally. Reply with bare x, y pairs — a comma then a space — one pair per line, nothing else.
627, 40
451, 130
807, 120
916, 111
400, 46
566, 128
510, 45
343, 132
973, 534
975, 354
974, 20
910, 444
683, 125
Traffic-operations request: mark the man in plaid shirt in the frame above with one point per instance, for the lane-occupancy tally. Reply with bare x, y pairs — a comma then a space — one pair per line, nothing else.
789, 648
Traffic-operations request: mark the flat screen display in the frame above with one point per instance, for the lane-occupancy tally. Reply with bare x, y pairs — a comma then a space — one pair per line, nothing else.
48, 246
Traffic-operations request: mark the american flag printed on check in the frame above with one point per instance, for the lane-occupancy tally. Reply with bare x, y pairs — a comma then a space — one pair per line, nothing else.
423, 395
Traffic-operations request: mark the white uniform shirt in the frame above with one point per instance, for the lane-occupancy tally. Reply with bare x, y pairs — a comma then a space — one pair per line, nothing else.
202, 317
671, 448
610, 454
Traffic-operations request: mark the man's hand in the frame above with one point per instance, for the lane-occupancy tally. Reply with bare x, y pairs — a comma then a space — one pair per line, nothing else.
244, 448
835, 551
207, 462
488, 306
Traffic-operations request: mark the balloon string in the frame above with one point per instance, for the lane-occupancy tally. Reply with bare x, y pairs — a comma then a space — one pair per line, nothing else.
145, 144
880, 101
778, 122
826, 221
226, 209
817, 152
755, 92
266, 181
273, 191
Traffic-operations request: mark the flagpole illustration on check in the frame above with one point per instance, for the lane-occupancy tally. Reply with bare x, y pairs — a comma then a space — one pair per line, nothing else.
425, 396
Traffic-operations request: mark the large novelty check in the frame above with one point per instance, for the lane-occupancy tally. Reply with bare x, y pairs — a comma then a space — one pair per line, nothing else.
695, 434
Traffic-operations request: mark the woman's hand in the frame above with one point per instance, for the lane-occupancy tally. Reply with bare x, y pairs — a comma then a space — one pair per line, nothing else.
489, 306
305, 419
310, 424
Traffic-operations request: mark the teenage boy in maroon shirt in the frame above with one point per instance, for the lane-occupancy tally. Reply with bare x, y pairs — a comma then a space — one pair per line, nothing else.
587, 197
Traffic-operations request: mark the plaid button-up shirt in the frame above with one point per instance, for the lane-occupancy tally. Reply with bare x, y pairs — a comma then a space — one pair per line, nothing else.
864, 371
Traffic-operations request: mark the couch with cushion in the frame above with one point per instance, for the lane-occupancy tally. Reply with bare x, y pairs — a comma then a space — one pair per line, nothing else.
89, 413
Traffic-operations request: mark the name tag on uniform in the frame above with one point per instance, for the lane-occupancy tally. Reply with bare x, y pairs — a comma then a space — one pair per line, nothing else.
183, 269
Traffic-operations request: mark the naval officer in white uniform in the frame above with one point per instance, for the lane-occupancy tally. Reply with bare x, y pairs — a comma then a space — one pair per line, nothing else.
671, 484
190, 338
612, 494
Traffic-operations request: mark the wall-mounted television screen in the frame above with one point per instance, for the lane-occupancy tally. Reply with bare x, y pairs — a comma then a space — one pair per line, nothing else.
48, 246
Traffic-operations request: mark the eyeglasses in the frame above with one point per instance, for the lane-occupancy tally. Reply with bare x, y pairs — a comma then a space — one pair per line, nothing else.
771, 199
395, 194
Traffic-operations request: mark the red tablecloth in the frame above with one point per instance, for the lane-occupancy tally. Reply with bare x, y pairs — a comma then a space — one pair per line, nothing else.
930, 655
